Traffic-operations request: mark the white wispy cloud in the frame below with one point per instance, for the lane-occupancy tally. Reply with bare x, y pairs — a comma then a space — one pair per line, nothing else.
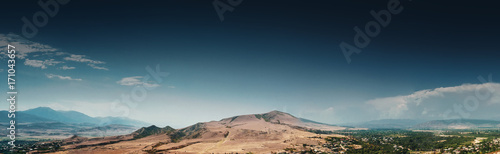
51, 76
330, 109
46, 54
431, 103
84, 59
98, 67
135, 81
41, 63
23, 46
67, 67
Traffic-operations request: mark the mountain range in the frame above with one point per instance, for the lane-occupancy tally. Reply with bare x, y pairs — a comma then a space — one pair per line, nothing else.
46, 114
46, 123
259, 133
38, 116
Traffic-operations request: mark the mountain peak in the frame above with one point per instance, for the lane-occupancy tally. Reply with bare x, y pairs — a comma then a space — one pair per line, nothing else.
274, 116
153, 127
276, 113
152, 130
42, 108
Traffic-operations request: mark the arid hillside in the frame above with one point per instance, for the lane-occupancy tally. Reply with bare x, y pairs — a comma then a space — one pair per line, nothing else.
258, 133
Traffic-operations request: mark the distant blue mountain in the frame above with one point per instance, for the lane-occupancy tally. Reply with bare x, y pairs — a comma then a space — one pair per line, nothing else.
432, 124
46, 114
459, 124
120, 120
61, 116
21, 116
389, 124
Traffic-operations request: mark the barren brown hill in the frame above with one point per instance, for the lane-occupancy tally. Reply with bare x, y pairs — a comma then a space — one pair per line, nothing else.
258, 133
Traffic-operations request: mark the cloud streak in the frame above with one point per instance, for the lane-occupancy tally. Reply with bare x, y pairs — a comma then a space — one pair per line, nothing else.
67, 67
42, 64
98, 67
54, 76
135, 81
26, 49
23, 46
84, 59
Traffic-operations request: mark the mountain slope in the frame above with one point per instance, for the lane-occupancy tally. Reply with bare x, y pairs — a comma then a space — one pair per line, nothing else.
257, 133
260, 133
61, 116
278, 117
152, 130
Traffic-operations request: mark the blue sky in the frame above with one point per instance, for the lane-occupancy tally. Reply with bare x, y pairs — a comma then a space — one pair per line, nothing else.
283, 55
